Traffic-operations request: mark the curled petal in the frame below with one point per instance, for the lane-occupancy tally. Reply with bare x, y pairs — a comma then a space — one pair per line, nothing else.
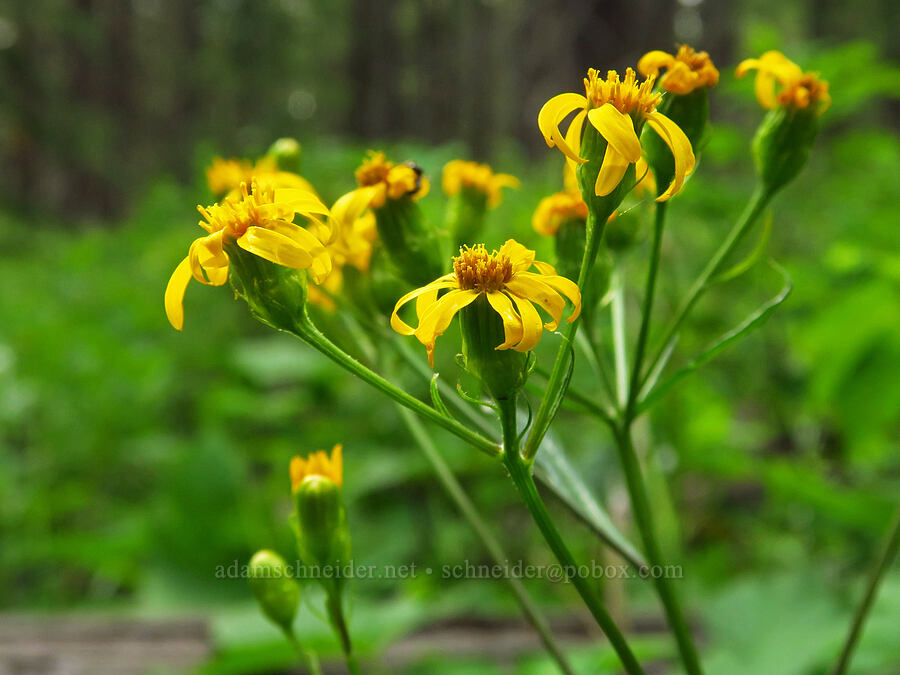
552, 113
533, 288
681, 149
446, 281
175, 289
436, 319
618, 130
302, 201
209, 262
521, 257
611, 172
565, 287
275, 247
652, 62
512, 322
532, 326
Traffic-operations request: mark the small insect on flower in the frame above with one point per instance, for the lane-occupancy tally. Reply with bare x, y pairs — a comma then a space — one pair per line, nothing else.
686, 70
380, 180
462, 175
318, 464
617, 109
798, 89
503, 277
261, 223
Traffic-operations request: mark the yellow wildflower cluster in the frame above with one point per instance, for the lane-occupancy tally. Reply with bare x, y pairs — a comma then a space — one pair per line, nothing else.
686, 70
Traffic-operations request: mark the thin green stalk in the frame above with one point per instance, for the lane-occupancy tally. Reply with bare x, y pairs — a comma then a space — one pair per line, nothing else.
885, 560
758, 202
557, 380
640, 347
307, 656
336, 615
307, 331
456, 493
617, 310
644, 519
520, 472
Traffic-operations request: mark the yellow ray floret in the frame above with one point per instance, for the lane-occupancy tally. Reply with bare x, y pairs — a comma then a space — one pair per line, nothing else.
613, 107
798, 89
511, 289
686, 70
260, 222
318, 464
225, 176
460, 174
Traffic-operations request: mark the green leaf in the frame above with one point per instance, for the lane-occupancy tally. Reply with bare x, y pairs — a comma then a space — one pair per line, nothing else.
751, 259
554, 470
753, 321
436, 396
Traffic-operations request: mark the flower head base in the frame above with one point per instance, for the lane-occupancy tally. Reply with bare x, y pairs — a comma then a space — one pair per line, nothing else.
461, 175
617, 109
318, 464
686, 70
390, 181
261, 223
503, 277
799, 90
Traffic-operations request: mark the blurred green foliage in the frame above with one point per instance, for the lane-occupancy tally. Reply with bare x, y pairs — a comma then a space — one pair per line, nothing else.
134, 460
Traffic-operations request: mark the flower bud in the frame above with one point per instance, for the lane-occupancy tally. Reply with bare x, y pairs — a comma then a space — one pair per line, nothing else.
276, 591
286, 152
276, 294
466, 215
412, 246
783, 143
324, 537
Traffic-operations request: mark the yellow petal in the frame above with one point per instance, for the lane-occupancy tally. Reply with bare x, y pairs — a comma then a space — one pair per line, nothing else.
512, 322
521, 257
337, 463
348, 208
532, 326
681, 149
652, 62
565, 287
552, 113
611, 172
446, 281
175, 289
275, 247
302, 201
618, 130
209, 262
533, 288
436, 319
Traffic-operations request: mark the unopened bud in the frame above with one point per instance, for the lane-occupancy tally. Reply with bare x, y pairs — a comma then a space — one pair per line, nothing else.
276, 591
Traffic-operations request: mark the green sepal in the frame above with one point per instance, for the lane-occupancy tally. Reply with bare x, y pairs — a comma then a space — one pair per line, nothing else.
783, 143
274, 588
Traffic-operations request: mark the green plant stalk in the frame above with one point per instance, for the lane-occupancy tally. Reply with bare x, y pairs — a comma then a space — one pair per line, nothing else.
459, 497
520, 472
643, 517
307, 331
307, 656
640, 346
758, 202
885, 560
336, 616
556, 380
617, 310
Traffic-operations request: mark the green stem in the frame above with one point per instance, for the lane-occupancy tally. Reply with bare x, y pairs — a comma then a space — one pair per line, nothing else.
644, 519
336, 615
617, 310
520, 472
456, 493
557, 380
884, 562
758, 202
307, 656
307, 331
646, 309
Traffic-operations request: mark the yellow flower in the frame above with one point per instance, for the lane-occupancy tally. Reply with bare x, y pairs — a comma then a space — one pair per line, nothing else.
225, 176
686, 70
504, 277
460, 174
557, 209
614, 108
318, 464
798, 89
260, 222
380, 180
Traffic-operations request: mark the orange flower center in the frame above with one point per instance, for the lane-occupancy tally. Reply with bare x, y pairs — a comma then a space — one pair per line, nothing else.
626, 95
374, 170
478, 270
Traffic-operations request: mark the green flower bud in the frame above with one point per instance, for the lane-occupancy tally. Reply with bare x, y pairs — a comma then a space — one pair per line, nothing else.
466, 215
783, 143
286, 153
502, 371
276, 294
412, 246
324, 538
276, 591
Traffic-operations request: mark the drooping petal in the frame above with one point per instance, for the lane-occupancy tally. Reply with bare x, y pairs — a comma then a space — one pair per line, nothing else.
552, 113
175, 289
275, 247
321, 264
533, 288
532, 326
348, 209
573, 139
512, 322
611, 172
654, 61
446, 281
681, 149
209, 262
436, 319
618, 130
565, 287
